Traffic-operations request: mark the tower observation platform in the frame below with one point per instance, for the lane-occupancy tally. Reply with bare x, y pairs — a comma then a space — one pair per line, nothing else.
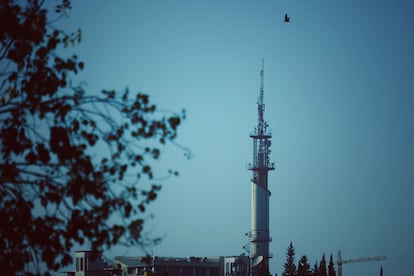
259, 236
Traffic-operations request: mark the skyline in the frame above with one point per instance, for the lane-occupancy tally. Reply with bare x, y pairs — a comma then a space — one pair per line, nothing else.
338, 90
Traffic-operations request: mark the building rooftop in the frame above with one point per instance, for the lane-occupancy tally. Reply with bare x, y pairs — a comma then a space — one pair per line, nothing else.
143, 261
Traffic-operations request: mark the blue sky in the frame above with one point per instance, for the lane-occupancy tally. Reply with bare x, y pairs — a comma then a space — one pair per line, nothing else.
339, 95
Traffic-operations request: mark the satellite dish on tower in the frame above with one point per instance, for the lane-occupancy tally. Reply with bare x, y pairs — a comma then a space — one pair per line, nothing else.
257, 261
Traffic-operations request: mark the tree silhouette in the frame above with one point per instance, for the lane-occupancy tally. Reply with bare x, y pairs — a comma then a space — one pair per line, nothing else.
322, 266
289, 266
331, 267
315, 270
303, 266
70, 160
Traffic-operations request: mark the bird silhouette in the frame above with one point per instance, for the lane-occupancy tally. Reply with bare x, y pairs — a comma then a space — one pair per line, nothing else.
287, 18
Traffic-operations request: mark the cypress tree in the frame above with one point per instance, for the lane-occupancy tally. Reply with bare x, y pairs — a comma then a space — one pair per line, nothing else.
289, 266
331, 267
322, 266
315, 271
303, 266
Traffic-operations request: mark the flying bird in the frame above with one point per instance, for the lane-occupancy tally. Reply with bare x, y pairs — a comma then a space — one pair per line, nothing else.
287, 18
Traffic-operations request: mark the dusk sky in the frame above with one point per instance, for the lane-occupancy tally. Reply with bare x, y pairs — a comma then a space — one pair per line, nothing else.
339, 95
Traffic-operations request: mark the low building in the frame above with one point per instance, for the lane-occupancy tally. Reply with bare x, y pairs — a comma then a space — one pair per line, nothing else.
203, 266
178, 266
87, 265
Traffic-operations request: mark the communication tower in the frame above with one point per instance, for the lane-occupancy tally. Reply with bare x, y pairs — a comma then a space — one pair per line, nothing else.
259, 236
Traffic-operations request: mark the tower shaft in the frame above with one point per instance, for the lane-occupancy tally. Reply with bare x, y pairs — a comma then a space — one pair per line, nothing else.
259, 232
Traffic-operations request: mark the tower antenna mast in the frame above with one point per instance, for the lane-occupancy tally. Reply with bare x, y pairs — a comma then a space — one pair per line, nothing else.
259, 233
260, 101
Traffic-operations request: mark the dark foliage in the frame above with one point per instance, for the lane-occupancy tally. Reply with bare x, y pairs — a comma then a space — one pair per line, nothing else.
289, 266
322, 266
315, 270
70, 161
303, 266
331, 267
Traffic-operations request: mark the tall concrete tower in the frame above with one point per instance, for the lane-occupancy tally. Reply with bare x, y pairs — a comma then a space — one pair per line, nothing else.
259, 232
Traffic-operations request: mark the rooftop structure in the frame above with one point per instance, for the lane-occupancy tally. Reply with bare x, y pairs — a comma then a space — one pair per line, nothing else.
88, 265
